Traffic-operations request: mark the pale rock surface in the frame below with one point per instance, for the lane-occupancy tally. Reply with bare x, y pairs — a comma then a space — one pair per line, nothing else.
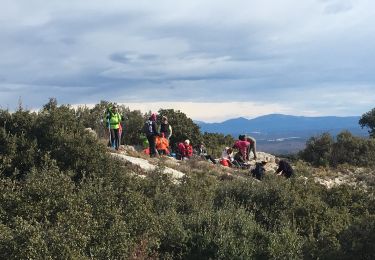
145, 165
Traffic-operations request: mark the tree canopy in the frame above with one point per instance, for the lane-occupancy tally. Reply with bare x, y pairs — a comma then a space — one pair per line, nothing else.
368, 120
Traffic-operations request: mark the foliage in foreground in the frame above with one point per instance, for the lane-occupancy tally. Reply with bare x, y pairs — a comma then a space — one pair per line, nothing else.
62, 197
48, 215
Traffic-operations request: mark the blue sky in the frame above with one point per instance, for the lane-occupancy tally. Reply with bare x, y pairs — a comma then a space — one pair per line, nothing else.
211, 59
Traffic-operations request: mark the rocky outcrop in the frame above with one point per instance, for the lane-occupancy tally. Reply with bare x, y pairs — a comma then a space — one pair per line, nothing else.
147, 166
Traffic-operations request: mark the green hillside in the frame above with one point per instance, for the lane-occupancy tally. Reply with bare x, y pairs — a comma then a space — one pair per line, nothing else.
64, 197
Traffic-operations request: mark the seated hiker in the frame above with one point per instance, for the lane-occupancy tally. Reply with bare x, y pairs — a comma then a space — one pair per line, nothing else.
227, 158
162, 144
251, 147
259, 170
202, 152
184, 150
242, 146
180, 151
284, 169
188, 149
238, 157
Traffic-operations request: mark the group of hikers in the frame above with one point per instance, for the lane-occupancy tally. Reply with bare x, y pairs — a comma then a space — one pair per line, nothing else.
156, 142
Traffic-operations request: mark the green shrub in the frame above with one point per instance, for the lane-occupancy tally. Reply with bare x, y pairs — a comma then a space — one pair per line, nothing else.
63, 197
357, 241
318, 150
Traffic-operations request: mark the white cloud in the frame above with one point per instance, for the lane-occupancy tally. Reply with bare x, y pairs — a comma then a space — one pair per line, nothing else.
260, 53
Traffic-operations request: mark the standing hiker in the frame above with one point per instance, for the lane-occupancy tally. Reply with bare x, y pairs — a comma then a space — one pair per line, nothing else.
242, 146
284, 168
251, 147
150, 129
114, 121
165, 128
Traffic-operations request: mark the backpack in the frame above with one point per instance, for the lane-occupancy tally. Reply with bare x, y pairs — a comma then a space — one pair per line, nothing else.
258, 172
147, 128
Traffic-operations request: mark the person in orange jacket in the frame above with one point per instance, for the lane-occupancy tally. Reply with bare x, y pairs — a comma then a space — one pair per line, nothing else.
162, 144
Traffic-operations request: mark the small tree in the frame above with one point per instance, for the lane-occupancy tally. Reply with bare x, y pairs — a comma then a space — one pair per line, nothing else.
318, 150
215, 142
368, 120
97, 118
346, 149
132, 125
182, 126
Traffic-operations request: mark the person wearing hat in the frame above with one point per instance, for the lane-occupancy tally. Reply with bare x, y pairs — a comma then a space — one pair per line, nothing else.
227, 158
114, 120
184, 150
188, 149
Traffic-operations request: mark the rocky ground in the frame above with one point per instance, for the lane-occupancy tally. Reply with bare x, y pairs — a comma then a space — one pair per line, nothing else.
178, 169
325, 176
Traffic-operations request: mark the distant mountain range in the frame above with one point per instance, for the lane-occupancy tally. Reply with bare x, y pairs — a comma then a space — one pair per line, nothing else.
272, 129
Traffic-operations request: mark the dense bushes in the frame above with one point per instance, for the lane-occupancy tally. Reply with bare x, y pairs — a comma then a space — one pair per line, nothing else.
318, 150
323, 150
26, 138
47, 215
62, 197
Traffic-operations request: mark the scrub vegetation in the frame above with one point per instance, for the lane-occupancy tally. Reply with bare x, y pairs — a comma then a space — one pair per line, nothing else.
64, 197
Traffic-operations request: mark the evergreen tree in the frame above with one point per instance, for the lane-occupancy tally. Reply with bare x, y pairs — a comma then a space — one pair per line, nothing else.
368, 120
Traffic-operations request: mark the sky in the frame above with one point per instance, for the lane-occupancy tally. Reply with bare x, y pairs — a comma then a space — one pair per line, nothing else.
211, 59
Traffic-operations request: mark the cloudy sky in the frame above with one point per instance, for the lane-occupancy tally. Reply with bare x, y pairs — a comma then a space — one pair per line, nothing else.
211, 59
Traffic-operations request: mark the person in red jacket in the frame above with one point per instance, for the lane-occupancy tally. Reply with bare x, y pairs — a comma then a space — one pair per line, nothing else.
188, 149
242, 146
180, 151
